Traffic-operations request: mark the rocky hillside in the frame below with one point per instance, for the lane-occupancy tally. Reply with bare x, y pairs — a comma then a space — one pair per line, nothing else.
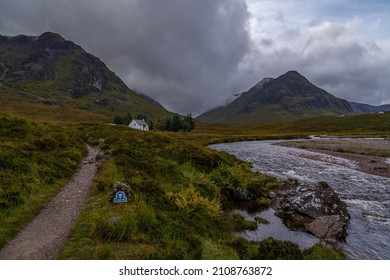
57, 72
288, 97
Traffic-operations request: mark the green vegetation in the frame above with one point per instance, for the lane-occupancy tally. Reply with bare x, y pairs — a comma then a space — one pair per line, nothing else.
70, 80
129, 117
368, 125
360, 125
36, 160
177, 123
123, 119
318, 252
261, 220
271, 249
17, 103
179, 196
240, 224
182, 192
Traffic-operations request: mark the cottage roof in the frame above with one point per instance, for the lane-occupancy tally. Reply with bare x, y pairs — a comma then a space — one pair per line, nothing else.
141, 122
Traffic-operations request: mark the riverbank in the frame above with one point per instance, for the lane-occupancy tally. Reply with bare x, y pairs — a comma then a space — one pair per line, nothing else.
367, 196
370, 155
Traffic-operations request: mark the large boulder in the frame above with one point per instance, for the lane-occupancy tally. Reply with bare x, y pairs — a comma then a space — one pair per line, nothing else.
328, 227
313, 208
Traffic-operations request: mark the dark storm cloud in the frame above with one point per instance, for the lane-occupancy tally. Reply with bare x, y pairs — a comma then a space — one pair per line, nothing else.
340, 57
193, 55
180, 52
350, 68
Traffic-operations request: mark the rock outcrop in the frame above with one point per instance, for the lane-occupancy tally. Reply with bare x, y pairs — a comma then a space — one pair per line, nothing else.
313, 208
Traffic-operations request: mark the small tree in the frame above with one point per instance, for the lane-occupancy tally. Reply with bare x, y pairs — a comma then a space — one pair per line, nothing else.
118, 120
123, 119
128, 118
176, 123
168, 122
188, 123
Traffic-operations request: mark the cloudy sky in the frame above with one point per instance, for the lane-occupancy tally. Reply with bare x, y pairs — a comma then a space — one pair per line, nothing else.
192, 55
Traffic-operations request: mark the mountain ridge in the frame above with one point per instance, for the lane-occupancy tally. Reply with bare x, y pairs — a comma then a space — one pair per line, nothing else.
289, 97
362, 108
61, 73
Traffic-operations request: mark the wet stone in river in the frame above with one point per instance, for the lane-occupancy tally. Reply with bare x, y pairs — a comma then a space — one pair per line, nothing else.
314, 208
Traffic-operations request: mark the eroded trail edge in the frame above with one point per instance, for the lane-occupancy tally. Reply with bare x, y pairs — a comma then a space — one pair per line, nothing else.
45, 236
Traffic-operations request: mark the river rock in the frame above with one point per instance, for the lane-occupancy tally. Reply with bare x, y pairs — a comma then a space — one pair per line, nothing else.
313, 208
241, 194
328, 227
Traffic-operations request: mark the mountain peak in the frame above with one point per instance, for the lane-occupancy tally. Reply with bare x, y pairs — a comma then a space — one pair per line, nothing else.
50, 40
293, 75
290, 96
57, 71
261, 84
51, 36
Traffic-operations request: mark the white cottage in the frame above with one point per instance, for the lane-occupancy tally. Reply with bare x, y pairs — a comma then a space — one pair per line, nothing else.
139, 124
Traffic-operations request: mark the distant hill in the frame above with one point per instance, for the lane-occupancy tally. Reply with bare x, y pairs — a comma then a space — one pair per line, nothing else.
288, 97
56, 72
361, 108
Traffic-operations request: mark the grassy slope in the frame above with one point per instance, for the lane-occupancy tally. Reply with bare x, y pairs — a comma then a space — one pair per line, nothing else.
16, 103
176, 210
369, 125
180, 189
36, 160
179, 195
360, 125
116, 102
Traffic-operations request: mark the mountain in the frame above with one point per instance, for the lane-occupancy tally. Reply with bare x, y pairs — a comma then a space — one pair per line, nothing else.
288, 97
50, 70
361, 108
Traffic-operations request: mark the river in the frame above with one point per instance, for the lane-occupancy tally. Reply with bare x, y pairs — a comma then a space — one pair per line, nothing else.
367, 196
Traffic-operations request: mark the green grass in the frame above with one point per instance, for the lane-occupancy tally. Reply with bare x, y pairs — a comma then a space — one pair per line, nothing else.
181, 196
368, 125
36, 160
360, 125
177, 205
20, 96
318, 252
181, 193
16, 103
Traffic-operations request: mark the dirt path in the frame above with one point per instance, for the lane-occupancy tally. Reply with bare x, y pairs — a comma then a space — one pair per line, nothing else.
45, 236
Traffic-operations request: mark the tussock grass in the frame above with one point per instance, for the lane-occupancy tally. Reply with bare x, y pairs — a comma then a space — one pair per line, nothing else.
36, 160
178, 198
181, 194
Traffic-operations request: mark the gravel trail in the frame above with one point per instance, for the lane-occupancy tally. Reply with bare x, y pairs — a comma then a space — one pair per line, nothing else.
45, 236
